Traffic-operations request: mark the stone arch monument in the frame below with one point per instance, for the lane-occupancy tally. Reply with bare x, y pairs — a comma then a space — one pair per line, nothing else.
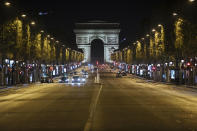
107, 32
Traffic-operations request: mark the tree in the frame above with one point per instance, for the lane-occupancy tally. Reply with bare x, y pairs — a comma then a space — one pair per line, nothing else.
139, 52
129, 56
67, 55
190, 39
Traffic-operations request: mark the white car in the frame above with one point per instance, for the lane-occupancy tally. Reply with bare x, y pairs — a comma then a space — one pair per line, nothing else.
77, 79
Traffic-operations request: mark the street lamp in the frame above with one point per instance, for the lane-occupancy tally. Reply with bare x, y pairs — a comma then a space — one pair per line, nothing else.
52, 38
142, 38
159, 25
48, 36
153, 30
7, 3
33, 23
174, 14
42, 31
57, 41
191, 1
147, 35
23, 15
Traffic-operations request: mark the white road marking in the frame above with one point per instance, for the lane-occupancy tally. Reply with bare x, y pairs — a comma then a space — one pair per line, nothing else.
89, 122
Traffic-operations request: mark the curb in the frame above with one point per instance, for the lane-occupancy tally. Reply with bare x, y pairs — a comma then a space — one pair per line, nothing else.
18, 86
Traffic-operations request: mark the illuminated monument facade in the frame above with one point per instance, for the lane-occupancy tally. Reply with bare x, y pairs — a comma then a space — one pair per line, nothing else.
108, 33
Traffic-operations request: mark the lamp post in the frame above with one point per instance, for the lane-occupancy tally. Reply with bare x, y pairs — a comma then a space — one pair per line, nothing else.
174, 14
23, 15
33, 23
8, 4
191, 1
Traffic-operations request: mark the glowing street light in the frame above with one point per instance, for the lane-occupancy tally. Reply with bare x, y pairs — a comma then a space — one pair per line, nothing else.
174, 14
147, 35
153, 30
52, 38
159, 25
48, 36
42, 31
7, 3
191, 1
23, 15
142, 38
57, 41
33, 23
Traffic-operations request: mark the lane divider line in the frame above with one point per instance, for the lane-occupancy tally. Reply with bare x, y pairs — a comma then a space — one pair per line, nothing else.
93, 105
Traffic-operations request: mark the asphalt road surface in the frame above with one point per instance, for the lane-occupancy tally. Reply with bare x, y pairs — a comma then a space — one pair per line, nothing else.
118, 104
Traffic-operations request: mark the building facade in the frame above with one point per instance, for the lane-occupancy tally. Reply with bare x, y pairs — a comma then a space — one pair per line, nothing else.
107, 32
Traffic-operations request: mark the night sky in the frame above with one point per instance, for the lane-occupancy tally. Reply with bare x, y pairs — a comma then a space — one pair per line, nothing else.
135, 17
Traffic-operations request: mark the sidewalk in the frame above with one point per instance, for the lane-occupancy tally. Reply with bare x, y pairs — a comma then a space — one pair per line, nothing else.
159, 82
15, 87
27, 84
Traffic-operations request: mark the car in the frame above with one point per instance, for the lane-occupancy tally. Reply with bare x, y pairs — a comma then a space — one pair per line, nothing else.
83, 79
71, 74
85, 74
65, 74
46, 79
64, 79
124, 73
118, 75
77, 79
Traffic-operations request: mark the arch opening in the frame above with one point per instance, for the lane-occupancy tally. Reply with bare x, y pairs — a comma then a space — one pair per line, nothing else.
97, 51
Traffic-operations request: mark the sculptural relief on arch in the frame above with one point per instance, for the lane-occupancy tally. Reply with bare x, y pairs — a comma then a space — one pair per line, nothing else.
107, 32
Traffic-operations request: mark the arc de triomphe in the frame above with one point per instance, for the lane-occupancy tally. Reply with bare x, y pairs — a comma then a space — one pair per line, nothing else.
107, 32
